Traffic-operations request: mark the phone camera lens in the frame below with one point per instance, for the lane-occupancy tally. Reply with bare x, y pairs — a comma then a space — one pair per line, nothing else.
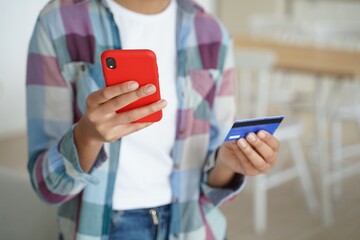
110, 62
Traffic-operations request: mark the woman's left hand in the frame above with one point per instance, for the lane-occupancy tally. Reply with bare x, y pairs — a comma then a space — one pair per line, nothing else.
252, 155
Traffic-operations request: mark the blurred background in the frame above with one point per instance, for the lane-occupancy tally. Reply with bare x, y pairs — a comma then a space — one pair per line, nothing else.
298, 58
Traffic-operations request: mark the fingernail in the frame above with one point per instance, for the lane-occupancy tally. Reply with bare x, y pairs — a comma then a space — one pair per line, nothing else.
133, 86
251, 137
242, 143
162, 104
262, 134
150, 89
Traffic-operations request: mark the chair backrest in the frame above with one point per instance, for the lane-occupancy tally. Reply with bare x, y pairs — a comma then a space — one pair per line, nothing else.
253, 81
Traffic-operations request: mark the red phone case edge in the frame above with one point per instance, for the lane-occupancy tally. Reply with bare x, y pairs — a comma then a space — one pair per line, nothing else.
140, 54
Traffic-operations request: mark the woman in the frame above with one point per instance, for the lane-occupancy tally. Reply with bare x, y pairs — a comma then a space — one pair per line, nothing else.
114, 179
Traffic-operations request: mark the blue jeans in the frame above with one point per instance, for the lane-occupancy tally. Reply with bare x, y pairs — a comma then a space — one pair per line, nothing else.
141, 224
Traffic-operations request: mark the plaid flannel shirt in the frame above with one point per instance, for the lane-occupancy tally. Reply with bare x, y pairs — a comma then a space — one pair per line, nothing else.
64, 68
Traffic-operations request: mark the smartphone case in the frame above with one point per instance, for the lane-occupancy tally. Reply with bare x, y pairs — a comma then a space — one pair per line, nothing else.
138, 65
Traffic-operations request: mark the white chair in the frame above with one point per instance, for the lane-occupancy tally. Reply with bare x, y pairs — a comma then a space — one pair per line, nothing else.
341, 105
340, 114
255, 68
290, 31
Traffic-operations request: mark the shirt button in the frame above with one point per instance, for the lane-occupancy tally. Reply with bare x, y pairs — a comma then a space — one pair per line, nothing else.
182, 130
175, 200
177, 166
82, 67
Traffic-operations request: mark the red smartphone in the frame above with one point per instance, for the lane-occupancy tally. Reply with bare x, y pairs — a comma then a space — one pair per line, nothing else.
134, 64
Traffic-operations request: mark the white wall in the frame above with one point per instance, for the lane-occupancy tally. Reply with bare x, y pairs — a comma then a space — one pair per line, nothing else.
17, 18
235, 13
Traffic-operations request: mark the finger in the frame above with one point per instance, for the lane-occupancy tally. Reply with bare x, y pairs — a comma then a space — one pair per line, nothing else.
138, 113
107, 93
272, 142
256, 160
262, 148
127, 98
246, 165
269, 140
237, 166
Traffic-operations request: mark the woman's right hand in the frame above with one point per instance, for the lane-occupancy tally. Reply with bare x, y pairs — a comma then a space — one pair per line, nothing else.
102, 124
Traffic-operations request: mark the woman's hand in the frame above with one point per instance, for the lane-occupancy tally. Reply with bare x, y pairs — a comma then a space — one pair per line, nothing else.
102, 124
251, 156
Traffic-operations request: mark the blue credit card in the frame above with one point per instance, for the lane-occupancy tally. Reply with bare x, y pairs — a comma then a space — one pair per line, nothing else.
242, 127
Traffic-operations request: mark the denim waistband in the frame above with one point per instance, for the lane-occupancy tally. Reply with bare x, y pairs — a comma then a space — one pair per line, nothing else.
163, 208
145, 224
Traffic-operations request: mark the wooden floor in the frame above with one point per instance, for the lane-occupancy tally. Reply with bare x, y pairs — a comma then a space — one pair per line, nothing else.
288, 215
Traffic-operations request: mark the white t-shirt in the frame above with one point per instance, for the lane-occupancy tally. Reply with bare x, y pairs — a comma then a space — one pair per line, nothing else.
145, 166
